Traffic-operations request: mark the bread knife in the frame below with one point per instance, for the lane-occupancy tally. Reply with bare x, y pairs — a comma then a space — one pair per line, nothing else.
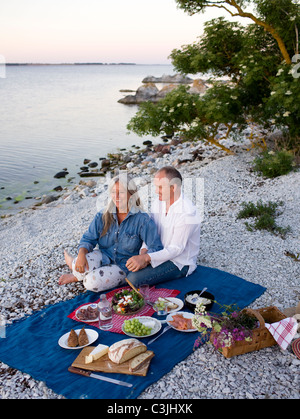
86, 373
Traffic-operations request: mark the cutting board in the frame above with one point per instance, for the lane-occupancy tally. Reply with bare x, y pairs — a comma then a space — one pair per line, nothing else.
104, 364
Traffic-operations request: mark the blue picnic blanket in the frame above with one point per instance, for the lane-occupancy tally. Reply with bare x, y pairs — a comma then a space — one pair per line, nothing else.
31, 344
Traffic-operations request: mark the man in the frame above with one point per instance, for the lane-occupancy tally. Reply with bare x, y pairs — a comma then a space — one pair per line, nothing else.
179, 227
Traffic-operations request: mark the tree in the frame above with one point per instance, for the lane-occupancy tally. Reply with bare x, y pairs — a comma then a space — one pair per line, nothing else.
259, 62
268, 15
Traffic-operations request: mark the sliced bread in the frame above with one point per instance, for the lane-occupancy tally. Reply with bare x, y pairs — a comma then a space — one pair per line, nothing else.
140, 360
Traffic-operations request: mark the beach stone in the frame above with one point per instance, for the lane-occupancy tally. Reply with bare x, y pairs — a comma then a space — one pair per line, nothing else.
61, 174
93, 164
58, 188
105, 162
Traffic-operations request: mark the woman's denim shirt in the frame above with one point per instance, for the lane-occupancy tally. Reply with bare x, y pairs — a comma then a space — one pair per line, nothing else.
124, 240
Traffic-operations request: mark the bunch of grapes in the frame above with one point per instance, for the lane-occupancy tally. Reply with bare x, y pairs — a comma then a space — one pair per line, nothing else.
137, 328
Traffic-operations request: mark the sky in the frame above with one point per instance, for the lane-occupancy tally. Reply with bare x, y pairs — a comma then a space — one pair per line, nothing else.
68, 31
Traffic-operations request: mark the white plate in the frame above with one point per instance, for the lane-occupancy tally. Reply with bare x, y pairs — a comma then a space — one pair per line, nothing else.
186, 315
85, 307
91, 334
143, 319
175, 301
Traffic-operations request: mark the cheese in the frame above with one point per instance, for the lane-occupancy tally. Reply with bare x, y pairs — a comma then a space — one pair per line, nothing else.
96, 353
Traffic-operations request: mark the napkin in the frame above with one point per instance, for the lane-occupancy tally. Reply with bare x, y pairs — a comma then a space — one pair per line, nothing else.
283, 331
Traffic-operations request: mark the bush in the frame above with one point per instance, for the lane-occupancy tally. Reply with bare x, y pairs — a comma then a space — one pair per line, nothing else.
272, 164
264, 215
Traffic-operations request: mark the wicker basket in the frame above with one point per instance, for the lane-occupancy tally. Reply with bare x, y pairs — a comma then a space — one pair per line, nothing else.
261, 337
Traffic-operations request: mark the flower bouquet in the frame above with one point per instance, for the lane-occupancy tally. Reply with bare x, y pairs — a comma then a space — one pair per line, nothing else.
228, 329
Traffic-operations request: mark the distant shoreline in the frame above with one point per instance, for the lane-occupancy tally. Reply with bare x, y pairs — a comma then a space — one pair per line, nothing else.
70, 64
47, 64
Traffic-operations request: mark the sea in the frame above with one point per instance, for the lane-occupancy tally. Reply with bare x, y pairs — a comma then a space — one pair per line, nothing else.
55, 116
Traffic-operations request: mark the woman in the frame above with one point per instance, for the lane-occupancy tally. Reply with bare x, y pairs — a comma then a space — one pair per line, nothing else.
119, 232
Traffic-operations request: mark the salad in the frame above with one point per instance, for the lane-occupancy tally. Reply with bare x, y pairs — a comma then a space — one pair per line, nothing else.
127, 302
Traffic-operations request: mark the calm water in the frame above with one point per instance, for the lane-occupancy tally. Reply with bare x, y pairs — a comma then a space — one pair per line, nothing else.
52, 117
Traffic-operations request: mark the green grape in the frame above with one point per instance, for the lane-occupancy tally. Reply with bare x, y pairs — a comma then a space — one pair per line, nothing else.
134, 326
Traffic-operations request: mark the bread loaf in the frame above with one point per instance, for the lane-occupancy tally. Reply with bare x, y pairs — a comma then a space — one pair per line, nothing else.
125, 349
140, 360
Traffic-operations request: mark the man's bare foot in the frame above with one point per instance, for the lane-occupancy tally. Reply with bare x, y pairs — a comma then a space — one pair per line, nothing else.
67, 279
69, 259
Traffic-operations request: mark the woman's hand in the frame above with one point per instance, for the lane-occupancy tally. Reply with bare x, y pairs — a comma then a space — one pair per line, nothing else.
135, 263
81, 264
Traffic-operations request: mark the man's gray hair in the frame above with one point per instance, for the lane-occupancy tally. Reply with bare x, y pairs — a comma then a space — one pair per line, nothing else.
172, 174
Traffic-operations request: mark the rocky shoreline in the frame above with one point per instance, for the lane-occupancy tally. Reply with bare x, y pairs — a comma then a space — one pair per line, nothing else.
31, 265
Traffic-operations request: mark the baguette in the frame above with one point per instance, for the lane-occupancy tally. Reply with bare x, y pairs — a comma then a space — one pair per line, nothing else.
140, 360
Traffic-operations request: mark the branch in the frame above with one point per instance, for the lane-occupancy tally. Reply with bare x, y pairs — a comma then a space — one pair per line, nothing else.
266, 26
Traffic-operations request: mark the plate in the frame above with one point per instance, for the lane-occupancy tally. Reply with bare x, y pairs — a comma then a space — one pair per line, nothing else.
91, 334
186, 315
175, 301
85, 307
155, 328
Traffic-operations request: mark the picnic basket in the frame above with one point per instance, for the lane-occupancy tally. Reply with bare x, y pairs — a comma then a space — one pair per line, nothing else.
261, 337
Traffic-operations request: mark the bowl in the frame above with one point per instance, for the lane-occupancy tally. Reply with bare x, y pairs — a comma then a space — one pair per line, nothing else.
205, 294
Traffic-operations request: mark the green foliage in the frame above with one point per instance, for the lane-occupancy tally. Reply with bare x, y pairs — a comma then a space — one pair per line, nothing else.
272, 164
169, 115
264, 215
263, 86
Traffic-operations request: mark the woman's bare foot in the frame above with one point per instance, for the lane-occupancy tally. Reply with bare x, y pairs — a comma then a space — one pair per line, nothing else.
67, 279
69, 259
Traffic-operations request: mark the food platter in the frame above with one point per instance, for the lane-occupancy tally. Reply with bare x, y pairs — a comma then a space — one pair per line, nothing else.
146, 320
175, 301
86, 307
184, 315
91, 334
127, 302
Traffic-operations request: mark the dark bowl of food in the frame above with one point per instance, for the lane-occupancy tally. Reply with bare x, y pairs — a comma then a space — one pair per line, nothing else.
127, 302
191, 298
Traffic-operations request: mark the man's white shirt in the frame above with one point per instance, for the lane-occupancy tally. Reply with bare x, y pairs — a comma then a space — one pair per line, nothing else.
179, 231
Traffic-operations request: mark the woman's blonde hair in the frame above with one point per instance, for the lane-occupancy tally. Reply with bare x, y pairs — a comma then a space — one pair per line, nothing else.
133, 202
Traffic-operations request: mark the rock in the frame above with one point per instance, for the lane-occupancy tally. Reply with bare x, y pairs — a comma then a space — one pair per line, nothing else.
58, 188
91, 174
147, 142
176, 78
198, 87
84, 168
86, 161
88, 183
93, 164
105, 163
61, 174
162, 148
144, 93
165, 90
49, 198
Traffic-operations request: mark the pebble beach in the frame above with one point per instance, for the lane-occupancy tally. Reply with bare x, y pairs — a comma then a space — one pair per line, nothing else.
32, 260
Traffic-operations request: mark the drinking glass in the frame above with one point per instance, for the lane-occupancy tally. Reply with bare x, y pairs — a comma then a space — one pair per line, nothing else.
145, 291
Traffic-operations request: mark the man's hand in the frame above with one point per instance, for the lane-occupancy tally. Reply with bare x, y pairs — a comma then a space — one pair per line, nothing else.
135, 263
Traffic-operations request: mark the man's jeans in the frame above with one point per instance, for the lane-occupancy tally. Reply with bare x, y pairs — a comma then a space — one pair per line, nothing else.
152, 276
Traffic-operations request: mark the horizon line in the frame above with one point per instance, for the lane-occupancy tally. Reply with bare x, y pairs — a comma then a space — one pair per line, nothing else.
86, 63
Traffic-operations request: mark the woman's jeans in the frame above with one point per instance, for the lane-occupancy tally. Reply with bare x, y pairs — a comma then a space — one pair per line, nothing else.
152, 276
